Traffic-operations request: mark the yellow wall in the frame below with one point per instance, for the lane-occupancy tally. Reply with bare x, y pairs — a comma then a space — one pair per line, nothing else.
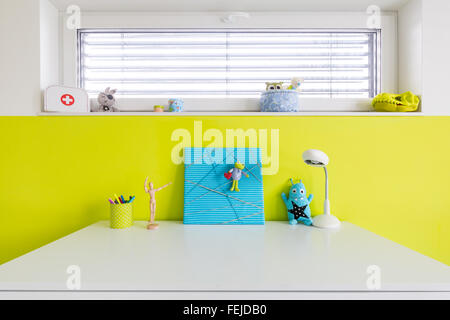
389, 175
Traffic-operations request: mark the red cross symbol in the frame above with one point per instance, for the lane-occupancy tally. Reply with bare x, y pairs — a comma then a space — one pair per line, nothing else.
67, 100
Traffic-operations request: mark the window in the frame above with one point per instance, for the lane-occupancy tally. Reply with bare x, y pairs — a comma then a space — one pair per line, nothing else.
229, 63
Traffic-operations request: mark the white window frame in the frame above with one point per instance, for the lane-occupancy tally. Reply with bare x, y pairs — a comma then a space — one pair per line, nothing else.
310, 20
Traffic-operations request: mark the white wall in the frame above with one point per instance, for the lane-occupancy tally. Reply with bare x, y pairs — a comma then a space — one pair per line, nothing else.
29, 54
410, 62
49, 44
436, 55
19, 57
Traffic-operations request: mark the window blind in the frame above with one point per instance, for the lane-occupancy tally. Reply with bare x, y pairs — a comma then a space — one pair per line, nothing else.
229, 63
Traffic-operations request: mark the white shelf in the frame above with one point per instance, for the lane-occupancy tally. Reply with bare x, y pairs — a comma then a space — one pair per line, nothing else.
241, 114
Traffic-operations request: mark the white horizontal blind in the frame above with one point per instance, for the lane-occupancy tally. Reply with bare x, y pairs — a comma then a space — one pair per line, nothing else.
229, 63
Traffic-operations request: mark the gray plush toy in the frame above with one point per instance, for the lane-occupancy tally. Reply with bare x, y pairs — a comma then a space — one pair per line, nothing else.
106, 101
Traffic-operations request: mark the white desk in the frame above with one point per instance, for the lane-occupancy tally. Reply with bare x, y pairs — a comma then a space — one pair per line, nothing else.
189, 262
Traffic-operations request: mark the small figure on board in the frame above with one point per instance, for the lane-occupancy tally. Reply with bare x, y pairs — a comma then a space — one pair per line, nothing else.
236, 174
152, 193
298, 204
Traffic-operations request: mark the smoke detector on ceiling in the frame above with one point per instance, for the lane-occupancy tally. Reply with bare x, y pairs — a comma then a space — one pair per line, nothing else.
232, 17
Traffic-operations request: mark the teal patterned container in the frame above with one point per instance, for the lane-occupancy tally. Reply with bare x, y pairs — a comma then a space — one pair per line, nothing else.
280, 101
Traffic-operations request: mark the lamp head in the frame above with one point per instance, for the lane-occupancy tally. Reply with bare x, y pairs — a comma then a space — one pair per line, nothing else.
315, 158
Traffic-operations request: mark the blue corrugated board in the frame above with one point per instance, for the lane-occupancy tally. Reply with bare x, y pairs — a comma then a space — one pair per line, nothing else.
207, 195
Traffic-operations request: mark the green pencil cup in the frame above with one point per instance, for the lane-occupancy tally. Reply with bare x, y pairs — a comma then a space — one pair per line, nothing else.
121, 215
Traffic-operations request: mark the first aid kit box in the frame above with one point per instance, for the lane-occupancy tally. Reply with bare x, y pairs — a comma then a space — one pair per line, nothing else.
66, 99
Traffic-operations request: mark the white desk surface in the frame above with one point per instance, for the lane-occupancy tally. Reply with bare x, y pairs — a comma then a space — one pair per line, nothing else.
189, 262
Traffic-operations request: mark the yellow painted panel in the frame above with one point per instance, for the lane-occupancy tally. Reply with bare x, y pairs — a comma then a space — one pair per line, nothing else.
388, 175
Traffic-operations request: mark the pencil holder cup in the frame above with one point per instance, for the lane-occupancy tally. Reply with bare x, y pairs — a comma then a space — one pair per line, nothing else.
121, 215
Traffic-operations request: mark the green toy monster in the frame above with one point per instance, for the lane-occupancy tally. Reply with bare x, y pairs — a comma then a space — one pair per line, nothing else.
388, 102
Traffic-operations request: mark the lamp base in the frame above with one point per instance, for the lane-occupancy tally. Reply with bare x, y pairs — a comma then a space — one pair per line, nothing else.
326, 221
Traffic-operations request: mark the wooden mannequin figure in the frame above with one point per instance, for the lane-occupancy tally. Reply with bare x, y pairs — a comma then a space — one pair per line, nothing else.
152, 193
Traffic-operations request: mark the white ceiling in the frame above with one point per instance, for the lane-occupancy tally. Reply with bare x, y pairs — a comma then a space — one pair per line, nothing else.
228, 5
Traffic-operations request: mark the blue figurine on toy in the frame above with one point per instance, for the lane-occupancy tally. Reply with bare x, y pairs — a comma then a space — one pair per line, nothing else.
298, 204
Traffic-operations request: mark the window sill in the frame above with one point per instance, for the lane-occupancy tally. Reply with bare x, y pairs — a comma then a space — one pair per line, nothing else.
252, 114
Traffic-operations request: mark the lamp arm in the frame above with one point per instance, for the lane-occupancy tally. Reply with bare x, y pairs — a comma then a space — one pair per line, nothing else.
326, 205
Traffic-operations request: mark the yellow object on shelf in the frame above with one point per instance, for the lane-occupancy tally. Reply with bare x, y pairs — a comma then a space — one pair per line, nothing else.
121, 216
388, 102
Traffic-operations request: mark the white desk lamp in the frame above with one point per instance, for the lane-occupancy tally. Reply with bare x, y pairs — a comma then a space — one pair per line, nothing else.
317, 158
